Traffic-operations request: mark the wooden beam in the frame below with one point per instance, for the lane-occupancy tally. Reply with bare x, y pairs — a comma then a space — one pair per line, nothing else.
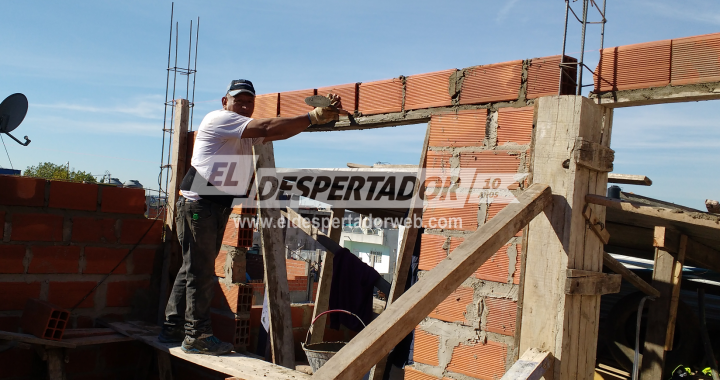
663, 216
531, 366
659, 314
322, 297
565, 325
32, 339
596, 225
629, 179
401, 317
675, 296
407, 247
629, 276
276, 285
587, 283
659, 95
593, 155
234, 364
177, 165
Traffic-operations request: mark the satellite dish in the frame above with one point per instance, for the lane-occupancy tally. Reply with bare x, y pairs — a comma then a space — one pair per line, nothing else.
12, 112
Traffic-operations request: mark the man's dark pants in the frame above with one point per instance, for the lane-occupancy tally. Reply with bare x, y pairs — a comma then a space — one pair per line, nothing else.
200, 226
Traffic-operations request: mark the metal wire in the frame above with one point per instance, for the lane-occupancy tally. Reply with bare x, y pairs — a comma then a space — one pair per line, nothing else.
6, 152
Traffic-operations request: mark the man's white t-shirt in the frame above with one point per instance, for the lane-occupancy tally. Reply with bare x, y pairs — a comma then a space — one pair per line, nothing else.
221, 155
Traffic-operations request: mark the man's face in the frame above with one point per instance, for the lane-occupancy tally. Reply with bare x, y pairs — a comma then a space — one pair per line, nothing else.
242, 104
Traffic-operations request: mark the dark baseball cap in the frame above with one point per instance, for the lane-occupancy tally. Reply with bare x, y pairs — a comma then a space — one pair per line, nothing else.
240, 85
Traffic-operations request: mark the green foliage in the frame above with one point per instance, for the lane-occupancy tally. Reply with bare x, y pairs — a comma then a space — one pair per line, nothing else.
48, 170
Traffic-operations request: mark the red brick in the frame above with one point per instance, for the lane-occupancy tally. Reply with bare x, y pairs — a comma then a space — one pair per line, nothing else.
383, 96
347, 92
120, 293
13, 295
255, 314
73, 195
292, 103
220, 263
437, 160
462, 128
465, 219
695, 59
431, 251
413, 374
266, 106
67, 294
22, 191
491, 83
37, 227
428, 90
426, 347
482, 361
515, 125
143, 261
93, 230
295, 268
55, 259
123, 200
634, 66
501, 316
236, 298
453, 308
132, 231
543, 77
235, 236
102, 260
11, 258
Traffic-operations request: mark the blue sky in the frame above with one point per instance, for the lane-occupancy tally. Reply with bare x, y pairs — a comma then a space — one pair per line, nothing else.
94, 74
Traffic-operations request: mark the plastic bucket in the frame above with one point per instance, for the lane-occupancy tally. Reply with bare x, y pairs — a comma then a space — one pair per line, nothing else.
319, 353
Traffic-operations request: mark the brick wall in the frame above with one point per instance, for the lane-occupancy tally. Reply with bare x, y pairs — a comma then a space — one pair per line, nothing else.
59, 239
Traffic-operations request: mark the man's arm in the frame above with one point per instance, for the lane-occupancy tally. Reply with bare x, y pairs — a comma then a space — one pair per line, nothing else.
278, 128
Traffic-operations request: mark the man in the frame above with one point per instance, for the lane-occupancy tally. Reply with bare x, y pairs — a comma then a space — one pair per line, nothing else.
224, 140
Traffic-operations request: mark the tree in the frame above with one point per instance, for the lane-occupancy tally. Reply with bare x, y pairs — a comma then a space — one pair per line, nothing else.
48, 170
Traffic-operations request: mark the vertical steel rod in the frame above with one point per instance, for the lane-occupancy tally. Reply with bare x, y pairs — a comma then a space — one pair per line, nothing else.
582, 48
187, 82
602, 30
167, 86
562, 56
192, 103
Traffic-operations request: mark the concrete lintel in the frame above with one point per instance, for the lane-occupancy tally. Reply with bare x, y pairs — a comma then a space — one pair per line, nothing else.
658, 95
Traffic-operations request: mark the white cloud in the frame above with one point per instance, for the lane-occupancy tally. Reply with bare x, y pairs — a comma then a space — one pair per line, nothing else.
145, 107
94, 126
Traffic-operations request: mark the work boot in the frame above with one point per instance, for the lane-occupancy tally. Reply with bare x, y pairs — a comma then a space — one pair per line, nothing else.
171, 334
206, 344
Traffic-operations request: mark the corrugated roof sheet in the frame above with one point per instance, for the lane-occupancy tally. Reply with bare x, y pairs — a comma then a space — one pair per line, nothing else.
696, 59
491, 83
292, 103
453, 308
464, 128
544, 77
383, 96
502, 315
428, 90
347, 92
266, 106
431, 251
426, 347
634, 66
515, 125
482, 361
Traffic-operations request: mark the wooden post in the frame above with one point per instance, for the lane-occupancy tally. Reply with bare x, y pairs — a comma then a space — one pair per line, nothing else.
401, 317
663, 310
55, 363
177, 165
322, 297
567, 131
272, 243
407, 246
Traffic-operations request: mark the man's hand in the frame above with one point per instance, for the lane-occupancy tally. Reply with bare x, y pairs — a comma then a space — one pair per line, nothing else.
325, 115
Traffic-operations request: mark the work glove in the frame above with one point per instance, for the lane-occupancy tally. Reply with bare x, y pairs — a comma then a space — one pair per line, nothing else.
324, 115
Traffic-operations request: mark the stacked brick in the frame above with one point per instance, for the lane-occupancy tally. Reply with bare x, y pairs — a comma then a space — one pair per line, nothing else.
58, 239
472, 332
680, 61
520, 80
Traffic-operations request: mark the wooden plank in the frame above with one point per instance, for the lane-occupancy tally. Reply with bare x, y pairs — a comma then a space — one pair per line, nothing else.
658, 315
659, 95
322, 297
79, 333
531, 366
629, 276
703, 224
177, 165
629, 179
596, 225
233, 364
276, 286
675, 297
32, 339
666, 239
407, 247
580, 282
593, 156
98, 339
565, 325
55, 363
401, 317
